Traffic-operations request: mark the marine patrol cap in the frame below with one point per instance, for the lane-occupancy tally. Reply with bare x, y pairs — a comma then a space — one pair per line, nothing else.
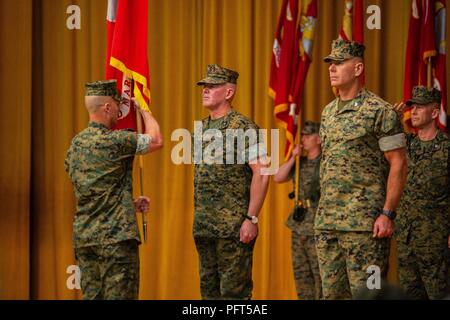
342, 50
311, 127
216, 74
102, 88
424, 95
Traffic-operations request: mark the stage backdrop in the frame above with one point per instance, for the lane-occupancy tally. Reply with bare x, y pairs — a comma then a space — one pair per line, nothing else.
43, 68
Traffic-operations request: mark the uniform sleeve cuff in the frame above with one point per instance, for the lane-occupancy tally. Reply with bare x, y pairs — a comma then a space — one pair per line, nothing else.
392, 142
256, 151
143, 143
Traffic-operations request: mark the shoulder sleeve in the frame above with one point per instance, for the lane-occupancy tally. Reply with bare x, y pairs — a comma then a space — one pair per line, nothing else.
255, 146
143, 143
389, 130
127, 140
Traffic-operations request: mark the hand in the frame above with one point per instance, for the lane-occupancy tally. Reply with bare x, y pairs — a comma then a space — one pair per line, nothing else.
141, 204
399, 108
136, 104
248, 231
297, 150
383, 227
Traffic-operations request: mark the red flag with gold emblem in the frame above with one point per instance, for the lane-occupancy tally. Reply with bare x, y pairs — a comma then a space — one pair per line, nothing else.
305, 36
440, 68
292, 56
352, 28
127, 34
284, 57
426, 45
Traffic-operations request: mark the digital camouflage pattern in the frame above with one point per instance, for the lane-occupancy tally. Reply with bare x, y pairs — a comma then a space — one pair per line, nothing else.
311, 127
306, 267
102, 88
303, 249
109, 272
309, 189
221, 200
216, 74
353, 169
222, 191
225, 268
344, 261
353, 177
342, 50
424, 95
423, 224
99, 163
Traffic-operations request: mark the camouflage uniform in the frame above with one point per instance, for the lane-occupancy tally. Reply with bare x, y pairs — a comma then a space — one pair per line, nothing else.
105, 233
423, 225
303, 248
221, 200
355, 134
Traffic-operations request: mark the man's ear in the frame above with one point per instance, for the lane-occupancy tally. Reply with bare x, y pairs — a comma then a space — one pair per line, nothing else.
230, 93
359, 69
107, 107
435, 113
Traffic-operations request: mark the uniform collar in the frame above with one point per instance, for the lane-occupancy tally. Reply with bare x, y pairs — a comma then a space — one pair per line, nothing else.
355, 103
97, 125
224, 121
440, 136
430, 145
316, 158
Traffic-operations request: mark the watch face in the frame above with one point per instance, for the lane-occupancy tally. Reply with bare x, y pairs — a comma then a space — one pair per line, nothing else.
254, 219
390, 214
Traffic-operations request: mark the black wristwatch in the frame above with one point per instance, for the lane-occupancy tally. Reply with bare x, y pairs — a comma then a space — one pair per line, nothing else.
253, 219
391, 214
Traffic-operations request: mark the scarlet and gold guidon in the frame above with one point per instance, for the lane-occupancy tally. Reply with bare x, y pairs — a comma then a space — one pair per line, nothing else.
291, 58
127, 61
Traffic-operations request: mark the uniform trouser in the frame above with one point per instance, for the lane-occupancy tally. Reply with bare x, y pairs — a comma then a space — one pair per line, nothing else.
344, 261
423, 271
225, 268
109, 272
306, 267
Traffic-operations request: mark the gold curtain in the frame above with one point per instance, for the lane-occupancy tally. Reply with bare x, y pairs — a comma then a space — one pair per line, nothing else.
43, 70
15, 148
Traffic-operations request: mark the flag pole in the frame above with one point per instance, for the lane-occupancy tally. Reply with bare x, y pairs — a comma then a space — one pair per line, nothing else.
429, 78
298, 203
141, 176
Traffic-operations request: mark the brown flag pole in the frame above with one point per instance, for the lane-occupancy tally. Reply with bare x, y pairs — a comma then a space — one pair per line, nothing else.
141, 177
297, 167
429, 77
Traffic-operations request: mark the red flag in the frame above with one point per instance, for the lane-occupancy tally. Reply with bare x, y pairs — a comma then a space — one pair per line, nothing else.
282, 71
292, 56
358, 21
346, 32
426, 44
352, 28
305, 35
127, 34
276, 50
412, 59
440, 74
